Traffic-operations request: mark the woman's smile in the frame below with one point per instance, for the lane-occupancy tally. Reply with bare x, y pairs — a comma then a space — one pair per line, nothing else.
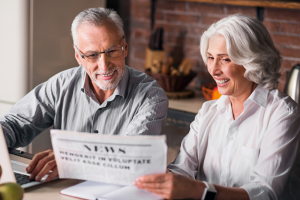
222, 82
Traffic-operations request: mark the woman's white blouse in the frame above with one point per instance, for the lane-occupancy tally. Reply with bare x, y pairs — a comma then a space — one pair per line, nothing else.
258, 151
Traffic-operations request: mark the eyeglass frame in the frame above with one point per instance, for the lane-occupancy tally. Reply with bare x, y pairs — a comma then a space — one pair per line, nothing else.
122, 48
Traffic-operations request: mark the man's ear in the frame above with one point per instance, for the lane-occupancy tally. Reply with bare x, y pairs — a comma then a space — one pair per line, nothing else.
125, 48
77, 56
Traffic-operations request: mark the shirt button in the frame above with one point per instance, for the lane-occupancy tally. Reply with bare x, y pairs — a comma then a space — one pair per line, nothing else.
231, 138
224, 184
95, 131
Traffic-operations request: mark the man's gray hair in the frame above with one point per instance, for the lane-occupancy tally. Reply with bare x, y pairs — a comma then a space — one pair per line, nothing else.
249, 44
96, 17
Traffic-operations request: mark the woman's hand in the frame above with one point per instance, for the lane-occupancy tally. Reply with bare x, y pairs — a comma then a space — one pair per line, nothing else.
171, 186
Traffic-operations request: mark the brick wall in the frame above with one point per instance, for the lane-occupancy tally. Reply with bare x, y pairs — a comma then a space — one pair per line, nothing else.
284, 27
183, 23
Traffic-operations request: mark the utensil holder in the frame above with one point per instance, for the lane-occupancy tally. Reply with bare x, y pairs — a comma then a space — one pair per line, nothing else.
152, 55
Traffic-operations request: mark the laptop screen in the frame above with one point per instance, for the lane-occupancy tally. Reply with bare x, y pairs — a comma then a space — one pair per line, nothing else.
7, 171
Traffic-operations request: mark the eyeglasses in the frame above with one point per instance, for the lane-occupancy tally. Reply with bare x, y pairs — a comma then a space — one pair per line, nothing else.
94, 57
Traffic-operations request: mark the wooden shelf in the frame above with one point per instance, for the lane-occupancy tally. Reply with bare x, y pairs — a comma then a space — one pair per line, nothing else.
253, 3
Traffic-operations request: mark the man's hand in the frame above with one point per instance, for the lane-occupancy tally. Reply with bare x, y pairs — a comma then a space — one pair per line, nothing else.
41, 164
171, 186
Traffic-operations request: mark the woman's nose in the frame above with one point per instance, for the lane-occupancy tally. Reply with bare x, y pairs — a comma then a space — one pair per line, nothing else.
214, 67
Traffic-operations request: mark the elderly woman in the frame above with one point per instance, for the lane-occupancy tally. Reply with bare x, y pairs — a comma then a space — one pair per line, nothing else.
245, 144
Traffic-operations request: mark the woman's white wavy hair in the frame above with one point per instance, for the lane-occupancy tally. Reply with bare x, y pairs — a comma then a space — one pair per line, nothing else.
249, 44
96, 17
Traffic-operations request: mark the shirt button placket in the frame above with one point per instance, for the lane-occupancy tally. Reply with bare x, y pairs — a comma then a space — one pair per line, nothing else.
95, 121
226, 156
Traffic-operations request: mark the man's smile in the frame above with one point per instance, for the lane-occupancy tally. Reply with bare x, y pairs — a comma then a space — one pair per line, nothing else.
107, 76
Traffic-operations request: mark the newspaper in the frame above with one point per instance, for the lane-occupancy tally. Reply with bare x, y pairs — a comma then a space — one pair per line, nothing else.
110, 159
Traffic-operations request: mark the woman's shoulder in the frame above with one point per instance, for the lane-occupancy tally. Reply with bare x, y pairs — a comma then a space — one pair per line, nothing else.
208, 107
280, 100
210, 104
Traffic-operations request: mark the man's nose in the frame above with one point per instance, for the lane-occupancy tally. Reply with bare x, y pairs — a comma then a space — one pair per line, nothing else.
103, 61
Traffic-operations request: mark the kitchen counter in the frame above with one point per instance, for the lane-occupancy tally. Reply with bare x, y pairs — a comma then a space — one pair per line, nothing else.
182, 112
190, 105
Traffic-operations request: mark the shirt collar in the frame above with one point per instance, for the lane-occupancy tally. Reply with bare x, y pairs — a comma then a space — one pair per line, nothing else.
222, 102
259, 96
122, 86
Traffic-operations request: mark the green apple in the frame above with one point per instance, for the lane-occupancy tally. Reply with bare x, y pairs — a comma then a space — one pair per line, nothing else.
11, 191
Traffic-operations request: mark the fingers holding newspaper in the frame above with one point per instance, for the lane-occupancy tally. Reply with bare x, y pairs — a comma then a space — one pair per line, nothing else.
170, 186
41, 164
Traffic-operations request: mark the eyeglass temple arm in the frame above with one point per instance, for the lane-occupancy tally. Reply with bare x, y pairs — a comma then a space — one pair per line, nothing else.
79, 52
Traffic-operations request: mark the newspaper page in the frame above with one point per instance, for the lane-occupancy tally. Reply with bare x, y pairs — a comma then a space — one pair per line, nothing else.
110, 159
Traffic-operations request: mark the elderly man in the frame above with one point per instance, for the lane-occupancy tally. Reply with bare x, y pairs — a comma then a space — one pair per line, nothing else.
101, 96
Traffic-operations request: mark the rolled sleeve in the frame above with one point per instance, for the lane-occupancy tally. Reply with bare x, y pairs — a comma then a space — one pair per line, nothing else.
257, 192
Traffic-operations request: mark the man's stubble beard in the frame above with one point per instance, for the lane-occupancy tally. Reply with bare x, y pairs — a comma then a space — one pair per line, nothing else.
110, 84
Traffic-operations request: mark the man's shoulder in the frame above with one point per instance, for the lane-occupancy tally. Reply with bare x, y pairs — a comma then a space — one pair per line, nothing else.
136, 75
142, 83
66, 79
70, 73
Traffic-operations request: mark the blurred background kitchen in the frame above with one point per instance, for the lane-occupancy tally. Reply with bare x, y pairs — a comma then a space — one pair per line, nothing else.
36, 44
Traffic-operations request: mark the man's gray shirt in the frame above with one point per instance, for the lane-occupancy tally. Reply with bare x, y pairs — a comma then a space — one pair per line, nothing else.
138, 106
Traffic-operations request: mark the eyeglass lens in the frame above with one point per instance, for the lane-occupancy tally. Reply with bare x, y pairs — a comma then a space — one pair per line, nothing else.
112, 53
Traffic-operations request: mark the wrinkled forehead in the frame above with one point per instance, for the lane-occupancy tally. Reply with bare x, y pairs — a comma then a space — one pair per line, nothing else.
99, 37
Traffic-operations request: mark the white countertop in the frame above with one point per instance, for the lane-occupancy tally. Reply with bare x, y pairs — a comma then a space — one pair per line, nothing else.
191, 105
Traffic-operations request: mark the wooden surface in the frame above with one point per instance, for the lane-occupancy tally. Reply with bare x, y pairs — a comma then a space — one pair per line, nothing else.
47, 191
253, 3
51, 190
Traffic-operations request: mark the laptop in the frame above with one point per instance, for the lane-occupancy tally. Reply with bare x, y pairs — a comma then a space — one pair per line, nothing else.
14, 167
